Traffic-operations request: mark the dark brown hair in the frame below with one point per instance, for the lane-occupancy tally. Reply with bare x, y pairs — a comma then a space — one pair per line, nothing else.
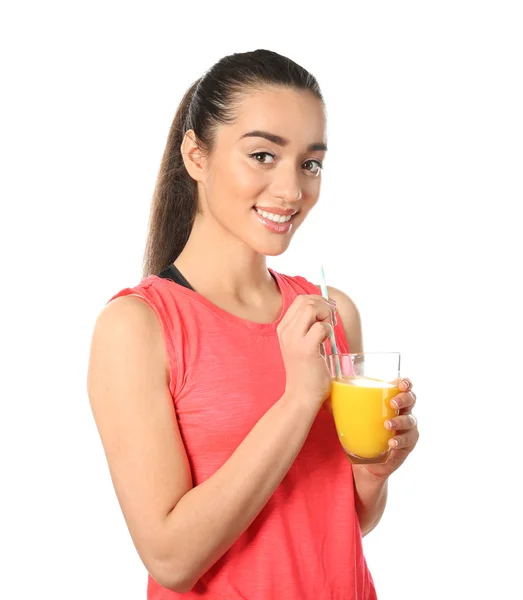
209, 102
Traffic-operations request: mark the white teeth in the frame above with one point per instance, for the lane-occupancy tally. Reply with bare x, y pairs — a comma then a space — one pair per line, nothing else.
273, 217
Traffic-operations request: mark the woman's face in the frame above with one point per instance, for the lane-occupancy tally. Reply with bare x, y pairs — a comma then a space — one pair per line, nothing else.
264, 173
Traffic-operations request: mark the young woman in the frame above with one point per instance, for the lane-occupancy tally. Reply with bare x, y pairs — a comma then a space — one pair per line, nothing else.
207, 380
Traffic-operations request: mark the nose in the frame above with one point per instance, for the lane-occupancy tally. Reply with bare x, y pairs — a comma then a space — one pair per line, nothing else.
286, 186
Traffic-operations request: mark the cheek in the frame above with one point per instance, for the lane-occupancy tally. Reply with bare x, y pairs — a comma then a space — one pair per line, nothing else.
247, 182
235, 176
234, 187
311, 194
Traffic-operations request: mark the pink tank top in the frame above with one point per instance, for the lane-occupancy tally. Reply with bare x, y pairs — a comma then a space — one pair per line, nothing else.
226, 372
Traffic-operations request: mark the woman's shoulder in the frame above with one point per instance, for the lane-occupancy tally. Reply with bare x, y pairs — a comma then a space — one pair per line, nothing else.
162, 295
130, 305
133, 288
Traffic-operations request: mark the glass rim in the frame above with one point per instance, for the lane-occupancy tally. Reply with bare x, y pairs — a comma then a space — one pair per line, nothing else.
364, 353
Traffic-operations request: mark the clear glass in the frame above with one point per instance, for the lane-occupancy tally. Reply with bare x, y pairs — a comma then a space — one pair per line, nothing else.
361, 403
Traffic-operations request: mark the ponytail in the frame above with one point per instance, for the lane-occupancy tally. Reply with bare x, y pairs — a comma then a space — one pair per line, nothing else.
174, 201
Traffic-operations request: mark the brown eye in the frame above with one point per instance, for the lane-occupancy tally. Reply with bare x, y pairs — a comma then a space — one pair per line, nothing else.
259, 157
313, 166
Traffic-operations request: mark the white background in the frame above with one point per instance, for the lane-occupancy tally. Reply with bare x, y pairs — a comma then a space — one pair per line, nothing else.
417, 222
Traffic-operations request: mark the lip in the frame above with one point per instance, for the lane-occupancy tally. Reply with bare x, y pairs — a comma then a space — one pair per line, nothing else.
272, 226
277, 211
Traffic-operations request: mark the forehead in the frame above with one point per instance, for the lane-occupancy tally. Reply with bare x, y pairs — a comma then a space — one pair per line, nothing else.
297, 115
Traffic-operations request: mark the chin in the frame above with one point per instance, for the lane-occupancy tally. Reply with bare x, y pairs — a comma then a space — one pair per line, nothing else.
274, 252
267, 249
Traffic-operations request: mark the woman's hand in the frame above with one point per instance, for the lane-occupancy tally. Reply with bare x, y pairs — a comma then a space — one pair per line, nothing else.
405, 427
305, 326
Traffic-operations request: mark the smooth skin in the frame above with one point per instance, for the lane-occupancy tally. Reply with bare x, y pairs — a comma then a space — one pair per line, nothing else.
179, 530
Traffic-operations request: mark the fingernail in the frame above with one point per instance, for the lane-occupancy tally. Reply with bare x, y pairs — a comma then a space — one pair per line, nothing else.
390, 424
394, 404
333, 302
394, 443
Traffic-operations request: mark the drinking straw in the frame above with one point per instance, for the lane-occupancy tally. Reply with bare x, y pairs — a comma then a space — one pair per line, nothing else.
332, 339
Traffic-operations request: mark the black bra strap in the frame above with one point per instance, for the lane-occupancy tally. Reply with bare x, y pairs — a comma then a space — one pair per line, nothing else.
172, 273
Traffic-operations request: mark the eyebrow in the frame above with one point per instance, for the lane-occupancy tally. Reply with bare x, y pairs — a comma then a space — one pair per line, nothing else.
280, 141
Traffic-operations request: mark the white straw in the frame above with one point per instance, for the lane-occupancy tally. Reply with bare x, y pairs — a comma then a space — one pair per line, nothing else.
332, 339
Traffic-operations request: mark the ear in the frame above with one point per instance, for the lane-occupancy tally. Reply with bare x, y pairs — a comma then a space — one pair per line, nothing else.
193, 156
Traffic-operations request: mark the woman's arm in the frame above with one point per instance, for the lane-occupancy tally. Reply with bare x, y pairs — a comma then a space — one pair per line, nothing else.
370, 491
179, 530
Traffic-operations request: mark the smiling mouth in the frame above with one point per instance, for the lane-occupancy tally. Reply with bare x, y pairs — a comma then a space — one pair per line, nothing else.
275, 217
273, 222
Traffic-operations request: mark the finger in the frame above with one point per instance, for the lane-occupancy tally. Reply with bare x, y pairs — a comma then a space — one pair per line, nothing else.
297, 304
404, 401
405, 441
402, 423
315, 310
301, 304
304, 299
405, 385
317, 334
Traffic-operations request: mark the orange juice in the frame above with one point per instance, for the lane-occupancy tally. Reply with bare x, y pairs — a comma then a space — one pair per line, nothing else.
360, 407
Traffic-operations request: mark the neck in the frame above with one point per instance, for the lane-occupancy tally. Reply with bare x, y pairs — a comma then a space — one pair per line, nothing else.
216, 263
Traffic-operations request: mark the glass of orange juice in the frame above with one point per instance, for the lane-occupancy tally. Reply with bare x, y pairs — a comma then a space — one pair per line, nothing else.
360, 394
